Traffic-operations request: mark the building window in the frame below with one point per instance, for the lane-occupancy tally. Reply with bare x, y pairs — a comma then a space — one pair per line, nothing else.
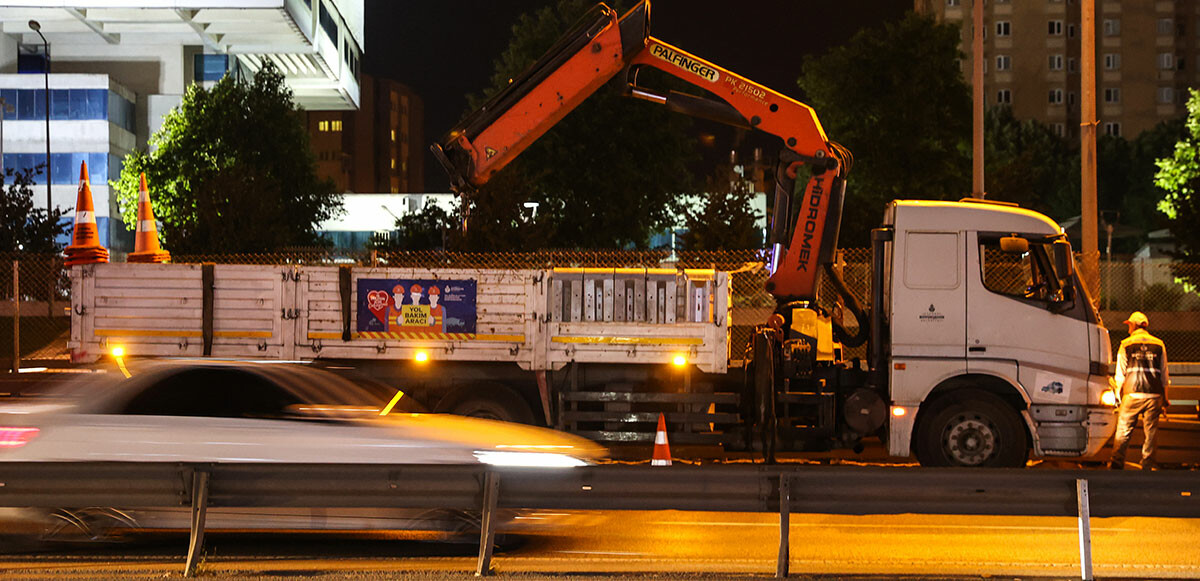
322, 126
1056, 62
1112, 61
1056, 96
1003, 28
1070, 31
1112, 128
1003, 62
1004, 97
335, 125
1054, 27
210, 67
1166, 95
1071, 99
393, 135
1112, 27
1072, 65
393, 163
953, 2
1179, 63
1166, 61
1060, 129
1166, 27
1112, 95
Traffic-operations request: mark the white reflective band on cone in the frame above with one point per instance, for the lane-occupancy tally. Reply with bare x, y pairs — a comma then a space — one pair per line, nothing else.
145, 225
660, 438
660, 462
85, 216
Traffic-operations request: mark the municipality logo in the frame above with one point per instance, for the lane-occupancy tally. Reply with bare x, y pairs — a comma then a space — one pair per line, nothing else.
933, 316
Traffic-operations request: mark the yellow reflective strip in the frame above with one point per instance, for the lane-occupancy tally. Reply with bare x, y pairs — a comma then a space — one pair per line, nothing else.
170, 333
144, 333
244, 334
498, 338
392, 404
631, 340
505, 338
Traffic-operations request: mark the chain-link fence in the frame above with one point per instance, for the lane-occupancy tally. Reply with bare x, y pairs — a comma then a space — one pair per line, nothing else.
34, 301
1154, 286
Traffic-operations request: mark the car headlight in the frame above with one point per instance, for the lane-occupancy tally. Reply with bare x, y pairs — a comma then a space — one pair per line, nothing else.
527, 459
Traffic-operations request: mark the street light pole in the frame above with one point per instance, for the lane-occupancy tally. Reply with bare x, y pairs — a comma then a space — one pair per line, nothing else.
37, 27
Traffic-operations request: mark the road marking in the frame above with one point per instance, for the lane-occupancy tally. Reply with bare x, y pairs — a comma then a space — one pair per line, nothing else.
882, 526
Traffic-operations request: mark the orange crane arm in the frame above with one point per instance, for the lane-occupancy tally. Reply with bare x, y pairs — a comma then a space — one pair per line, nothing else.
599, 47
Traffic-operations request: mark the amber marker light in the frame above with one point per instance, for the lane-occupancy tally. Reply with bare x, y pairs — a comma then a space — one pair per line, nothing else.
118, 352
899, 411
1108, 398
679, 361
421, 356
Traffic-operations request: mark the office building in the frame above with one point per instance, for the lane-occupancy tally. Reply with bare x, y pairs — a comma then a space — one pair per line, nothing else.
115, 68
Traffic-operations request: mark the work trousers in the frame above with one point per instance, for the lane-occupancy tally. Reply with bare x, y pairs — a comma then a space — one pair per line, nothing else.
1149, 409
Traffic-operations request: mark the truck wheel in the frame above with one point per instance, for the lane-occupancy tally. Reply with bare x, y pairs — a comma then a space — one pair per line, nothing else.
500, 404
971, 428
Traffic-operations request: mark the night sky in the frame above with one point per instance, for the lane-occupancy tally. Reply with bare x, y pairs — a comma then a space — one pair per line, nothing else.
444, 49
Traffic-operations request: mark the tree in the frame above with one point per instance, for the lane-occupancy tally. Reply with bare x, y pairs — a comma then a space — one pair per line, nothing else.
1028, 164
896, 98
24, 227
231, 171
725, 220
1179, 177
608, 175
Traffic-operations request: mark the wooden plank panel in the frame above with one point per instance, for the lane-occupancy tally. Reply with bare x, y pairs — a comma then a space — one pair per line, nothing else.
117, 271
670, 301
556, 301
576, 300
147, 284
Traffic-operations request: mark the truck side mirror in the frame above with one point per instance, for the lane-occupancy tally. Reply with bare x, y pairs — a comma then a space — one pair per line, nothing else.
1014, 245
1064, 261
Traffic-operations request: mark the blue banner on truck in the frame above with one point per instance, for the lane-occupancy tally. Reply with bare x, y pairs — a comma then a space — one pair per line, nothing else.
403, 308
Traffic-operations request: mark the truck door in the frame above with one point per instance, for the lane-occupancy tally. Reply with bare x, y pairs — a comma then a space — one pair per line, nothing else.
929, 301
1018, 326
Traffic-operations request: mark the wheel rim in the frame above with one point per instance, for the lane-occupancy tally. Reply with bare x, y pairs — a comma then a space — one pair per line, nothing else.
969, 440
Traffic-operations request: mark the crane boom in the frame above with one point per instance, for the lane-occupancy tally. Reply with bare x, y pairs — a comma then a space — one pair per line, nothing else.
600, 46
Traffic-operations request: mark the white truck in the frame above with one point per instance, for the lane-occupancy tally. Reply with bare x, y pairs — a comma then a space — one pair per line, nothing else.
982, 345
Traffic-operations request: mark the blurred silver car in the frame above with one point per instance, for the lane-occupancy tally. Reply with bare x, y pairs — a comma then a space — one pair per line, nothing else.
243, 412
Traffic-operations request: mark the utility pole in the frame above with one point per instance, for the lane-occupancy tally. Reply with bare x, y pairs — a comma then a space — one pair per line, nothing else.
1087, 134
977, 190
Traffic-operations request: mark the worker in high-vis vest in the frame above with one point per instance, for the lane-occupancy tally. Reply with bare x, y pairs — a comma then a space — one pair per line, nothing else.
1142, 383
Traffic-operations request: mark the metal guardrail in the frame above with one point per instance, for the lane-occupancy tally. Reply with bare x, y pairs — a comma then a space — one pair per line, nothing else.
821, 490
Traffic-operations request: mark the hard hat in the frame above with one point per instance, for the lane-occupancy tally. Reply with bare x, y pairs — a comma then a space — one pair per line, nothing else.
416, 288
433, 290
398, 289
1138, 319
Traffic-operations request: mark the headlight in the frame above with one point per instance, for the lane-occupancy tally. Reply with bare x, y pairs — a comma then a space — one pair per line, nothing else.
1109, 398
527, 459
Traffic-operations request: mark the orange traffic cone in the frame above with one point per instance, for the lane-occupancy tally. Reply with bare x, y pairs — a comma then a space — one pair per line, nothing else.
85, 245
662, 450
145, 247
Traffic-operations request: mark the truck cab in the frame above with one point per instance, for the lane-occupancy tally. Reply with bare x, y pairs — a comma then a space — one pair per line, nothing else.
993, 346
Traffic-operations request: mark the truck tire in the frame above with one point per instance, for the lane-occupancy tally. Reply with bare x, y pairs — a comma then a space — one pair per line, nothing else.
498, 403
971, 428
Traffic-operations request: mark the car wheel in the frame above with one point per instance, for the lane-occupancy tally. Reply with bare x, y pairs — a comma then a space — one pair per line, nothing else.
500, 404
971, 428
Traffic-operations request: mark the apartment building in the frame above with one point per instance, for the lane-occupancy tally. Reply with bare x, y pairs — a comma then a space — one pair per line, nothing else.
378, 148
1147, 52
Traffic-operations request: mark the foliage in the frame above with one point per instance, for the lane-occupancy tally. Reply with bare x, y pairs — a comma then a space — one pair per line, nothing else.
896, 98
427, 229
1179, 177
607, 175
231, 171
1026, 163
725, 220
24, 226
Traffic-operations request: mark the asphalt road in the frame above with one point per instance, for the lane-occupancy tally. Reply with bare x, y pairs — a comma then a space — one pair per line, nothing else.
675, 544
